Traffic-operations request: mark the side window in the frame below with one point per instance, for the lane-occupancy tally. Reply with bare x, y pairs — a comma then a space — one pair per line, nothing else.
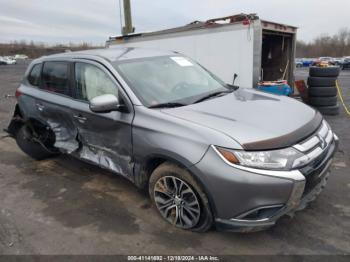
90, 81
55, 77
34, 76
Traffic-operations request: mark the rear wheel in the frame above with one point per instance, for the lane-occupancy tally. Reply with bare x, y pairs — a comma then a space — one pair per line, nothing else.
27, 142
179, 199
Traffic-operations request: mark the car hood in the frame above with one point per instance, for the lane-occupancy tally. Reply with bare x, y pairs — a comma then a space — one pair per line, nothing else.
256, 120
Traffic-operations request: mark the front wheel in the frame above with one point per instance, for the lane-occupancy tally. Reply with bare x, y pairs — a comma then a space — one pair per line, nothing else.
179, 199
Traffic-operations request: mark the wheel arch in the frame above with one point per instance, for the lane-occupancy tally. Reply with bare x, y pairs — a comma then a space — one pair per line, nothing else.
19, 118
17, 121
145, 168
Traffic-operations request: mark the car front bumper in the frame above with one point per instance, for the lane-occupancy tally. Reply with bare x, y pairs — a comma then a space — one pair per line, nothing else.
246, 200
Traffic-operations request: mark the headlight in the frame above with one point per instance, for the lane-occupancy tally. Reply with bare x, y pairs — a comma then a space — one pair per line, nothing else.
284, 159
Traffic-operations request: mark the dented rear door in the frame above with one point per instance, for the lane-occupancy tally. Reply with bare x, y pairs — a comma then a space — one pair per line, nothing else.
53, 101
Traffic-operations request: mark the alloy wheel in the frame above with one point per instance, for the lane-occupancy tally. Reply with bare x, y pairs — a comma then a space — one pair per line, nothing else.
177, 202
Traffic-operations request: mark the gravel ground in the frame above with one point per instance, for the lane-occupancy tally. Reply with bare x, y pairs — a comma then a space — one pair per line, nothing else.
64, 206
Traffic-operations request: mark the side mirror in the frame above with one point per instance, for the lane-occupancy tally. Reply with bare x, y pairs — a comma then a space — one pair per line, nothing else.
105, 104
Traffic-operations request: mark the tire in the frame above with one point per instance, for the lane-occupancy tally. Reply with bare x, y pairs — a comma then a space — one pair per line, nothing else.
322, 91
323, 101
332, 71
321, 81
31, 148
166, 174
329, 110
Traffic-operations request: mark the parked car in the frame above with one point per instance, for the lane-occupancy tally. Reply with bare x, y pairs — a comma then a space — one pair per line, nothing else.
6, 60
10, 60
323, 61
208, 152
326, 59
346, 63
2, 61
307, 62
20, 56
299, 63
338, 61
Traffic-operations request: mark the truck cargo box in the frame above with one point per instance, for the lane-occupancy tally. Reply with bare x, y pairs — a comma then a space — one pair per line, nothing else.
254, 49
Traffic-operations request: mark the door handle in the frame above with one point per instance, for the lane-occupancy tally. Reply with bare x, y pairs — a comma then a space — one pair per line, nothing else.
40, 107
80, 118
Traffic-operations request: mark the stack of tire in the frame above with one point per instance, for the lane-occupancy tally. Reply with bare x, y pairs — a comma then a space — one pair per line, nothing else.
322, 89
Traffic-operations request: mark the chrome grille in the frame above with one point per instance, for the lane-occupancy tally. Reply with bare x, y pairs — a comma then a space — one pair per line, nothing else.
314, 146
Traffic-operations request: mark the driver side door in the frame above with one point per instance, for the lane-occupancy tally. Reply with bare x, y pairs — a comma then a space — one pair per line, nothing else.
105, 137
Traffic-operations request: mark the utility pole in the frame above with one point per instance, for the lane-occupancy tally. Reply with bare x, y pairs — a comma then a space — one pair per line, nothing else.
128, 28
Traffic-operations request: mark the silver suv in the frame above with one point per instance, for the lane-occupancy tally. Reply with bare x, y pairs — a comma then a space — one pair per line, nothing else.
207, 152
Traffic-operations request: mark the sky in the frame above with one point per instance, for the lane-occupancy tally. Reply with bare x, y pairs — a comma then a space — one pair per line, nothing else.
93, 21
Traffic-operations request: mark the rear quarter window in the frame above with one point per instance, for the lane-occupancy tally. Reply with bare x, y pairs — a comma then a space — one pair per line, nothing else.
34, 75
55, 77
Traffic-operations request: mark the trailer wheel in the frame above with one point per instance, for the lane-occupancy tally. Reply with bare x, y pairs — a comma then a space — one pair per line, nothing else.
322, 91
323, 101
321, 81
332, 71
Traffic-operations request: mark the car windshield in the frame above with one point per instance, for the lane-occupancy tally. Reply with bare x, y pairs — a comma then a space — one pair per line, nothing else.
169, 80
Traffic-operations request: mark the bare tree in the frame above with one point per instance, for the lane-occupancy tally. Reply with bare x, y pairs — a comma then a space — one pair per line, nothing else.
34, 50
337, 45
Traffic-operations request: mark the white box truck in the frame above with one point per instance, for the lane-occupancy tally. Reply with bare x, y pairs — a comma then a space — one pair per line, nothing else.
254, 49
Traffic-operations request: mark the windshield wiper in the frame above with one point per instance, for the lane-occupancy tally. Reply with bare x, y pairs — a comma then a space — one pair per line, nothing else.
168, 105
211, 95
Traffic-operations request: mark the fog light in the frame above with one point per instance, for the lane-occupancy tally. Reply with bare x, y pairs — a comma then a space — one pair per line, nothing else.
262, 213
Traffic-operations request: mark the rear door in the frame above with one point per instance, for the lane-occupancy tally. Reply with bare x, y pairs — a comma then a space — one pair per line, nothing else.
53, 103
106, 137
